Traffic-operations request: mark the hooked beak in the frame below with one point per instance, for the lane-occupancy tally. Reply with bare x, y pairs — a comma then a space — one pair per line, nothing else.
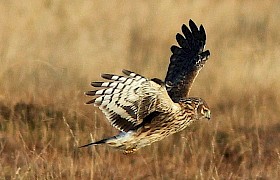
208, 115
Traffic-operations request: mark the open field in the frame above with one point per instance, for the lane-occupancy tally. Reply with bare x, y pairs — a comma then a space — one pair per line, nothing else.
51, 50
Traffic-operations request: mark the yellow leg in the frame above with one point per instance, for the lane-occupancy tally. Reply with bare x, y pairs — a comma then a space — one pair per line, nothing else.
129, 151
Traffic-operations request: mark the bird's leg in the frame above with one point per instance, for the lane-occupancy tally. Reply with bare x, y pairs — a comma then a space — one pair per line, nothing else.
129, 151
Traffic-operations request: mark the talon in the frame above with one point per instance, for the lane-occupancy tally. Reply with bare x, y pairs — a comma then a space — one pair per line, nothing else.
129, 151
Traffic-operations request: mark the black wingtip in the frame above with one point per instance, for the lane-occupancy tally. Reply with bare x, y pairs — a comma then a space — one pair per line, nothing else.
184, 28
96, 84
202, 33
181, 41
201, 29
107, 76
193, 28
179, 37
191, 21
126, 72
158, 81
90, 93
175, 49
90, 102
192, 24
205, 54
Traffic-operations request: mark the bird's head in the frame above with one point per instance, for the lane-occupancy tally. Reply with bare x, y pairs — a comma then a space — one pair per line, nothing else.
198, 107
203, 110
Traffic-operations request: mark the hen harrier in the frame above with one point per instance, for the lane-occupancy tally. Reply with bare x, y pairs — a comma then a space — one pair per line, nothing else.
148, 110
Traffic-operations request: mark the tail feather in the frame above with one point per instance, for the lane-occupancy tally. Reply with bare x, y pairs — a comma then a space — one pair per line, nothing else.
95, 143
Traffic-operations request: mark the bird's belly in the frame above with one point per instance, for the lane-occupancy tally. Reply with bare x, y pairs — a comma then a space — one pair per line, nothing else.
136, 140
148, 134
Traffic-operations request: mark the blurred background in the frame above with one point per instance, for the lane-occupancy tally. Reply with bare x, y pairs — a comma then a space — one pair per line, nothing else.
50, 51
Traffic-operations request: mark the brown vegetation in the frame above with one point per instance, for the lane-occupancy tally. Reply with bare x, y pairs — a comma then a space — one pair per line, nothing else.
51, 50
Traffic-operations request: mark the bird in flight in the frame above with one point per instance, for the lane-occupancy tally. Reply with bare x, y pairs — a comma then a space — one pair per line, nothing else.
148, 110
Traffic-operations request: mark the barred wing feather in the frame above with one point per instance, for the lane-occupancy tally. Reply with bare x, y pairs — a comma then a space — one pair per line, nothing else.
126, 101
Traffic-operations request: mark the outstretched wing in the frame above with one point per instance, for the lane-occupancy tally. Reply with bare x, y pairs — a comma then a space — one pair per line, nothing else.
126, 101
186, 61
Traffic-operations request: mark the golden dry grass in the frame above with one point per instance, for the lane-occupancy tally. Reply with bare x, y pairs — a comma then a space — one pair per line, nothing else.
51, 50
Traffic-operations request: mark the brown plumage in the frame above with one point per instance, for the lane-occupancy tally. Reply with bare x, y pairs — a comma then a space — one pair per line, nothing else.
146, 110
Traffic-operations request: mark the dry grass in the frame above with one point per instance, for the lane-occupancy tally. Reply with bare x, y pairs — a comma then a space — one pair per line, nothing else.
51, 50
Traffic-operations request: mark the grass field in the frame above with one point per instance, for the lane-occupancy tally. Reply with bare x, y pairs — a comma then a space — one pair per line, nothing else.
51, 50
